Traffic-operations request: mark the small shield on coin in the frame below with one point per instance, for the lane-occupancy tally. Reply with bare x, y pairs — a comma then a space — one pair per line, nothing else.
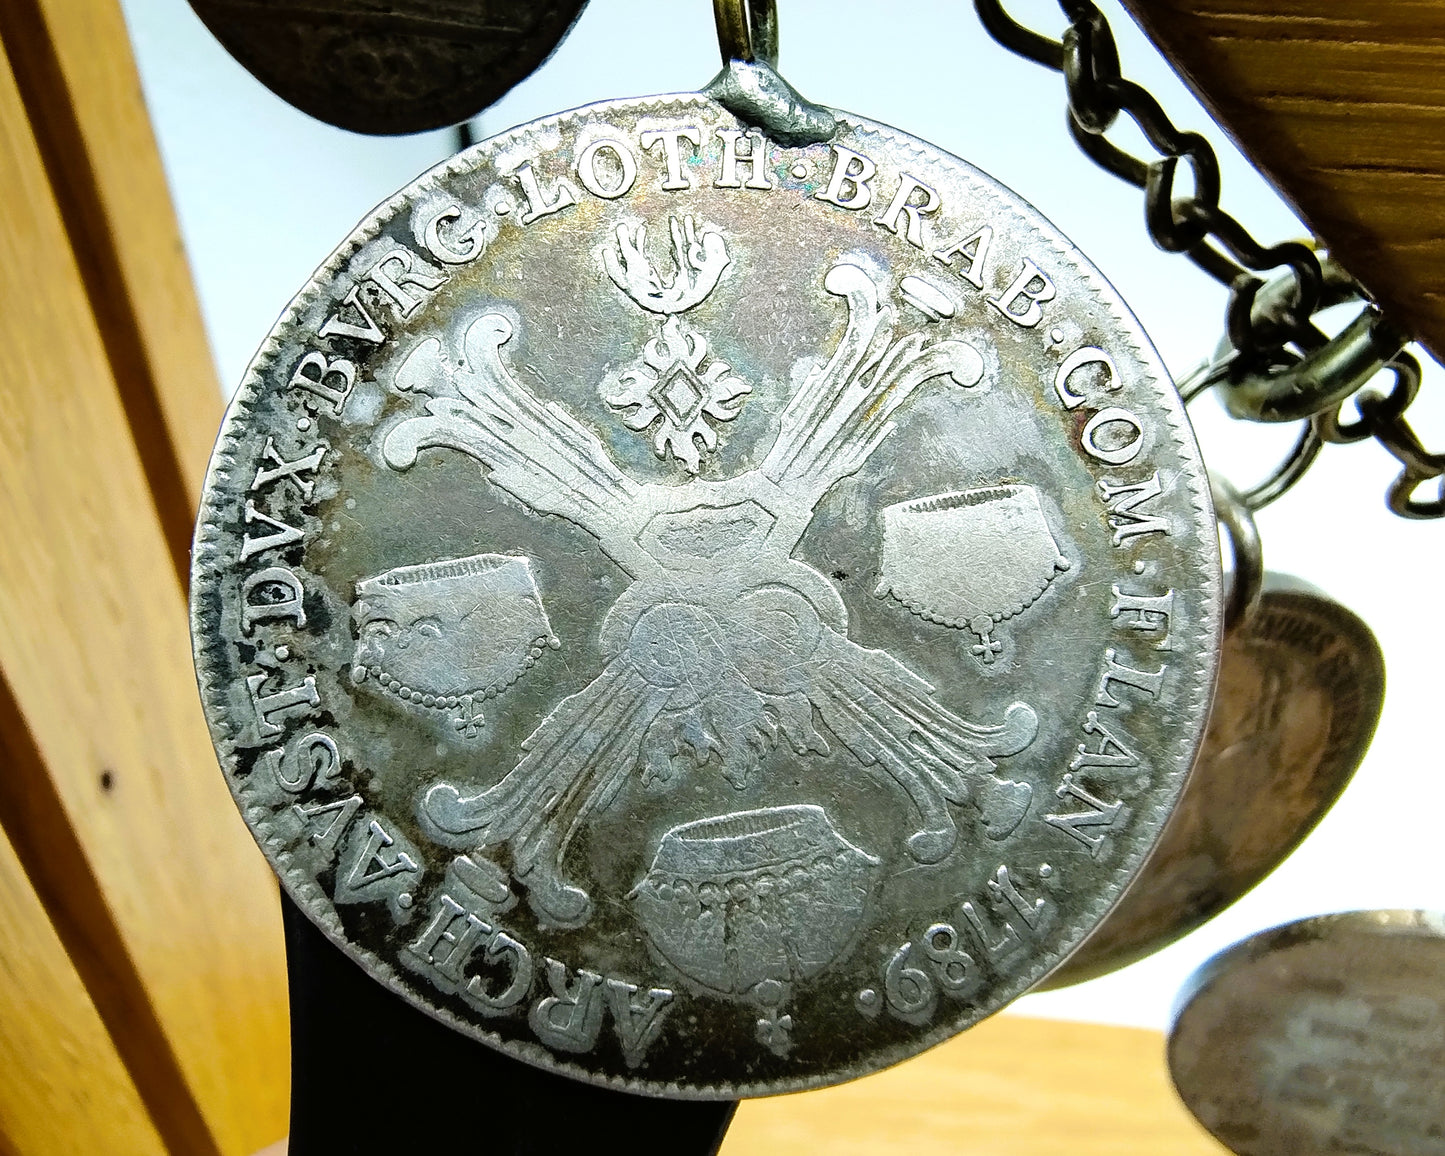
445, 635
969, 560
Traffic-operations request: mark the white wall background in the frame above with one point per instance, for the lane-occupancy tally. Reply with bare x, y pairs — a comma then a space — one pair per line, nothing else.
264, 193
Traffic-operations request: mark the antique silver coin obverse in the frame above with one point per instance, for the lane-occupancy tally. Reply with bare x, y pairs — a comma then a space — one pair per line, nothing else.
705, 616
1324, 1035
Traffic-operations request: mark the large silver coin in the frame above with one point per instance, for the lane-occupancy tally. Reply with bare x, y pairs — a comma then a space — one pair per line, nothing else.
1301, 684
704, 616
1325, 1035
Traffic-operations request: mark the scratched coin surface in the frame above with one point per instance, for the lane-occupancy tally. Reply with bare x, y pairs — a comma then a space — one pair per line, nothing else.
703, 616
1301, 684
1324, 1035
390, 66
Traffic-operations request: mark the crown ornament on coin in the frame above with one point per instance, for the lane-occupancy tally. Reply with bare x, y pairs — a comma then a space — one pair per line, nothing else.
657, 383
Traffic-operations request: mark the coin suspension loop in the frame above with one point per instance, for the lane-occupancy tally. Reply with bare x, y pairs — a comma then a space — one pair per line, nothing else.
750, 86
747, 30
1237, 521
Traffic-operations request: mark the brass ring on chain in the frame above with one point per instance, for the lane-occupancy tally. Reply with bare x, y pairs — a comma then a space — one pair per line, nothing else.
1323, 377
1302, 454
747, 30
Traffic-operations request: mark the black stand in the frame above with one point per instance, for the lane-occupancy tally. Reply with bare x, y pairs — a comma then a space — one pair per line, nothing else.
369, 1072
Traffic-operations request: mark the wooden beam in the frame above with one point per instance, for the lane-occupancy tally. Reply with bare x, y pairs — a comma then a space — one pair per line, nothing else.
77, 78
64, 1087
1341, 103
1012, 1086
110, 791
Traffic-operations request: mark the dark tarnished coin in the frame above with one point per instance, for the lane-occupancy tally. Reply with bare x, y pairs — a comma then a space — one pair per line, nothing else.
704, 616
1301, 684
1325, 1035
390, 66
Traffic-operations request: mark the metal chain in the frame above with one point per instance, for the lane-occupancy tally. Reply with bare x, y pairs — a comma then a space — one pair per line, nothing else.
1098, 93
1275, 363
1382, 417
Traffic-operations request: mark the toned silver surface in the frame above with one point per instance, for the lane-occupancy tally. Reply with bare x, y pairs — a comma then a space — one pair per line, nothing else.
390, 67
1324, 1035
1301, 684
704, 616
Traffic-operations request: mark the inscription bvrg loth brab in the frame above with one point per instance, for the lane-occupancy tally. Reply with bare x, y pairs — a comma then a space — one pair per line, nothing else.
705, 616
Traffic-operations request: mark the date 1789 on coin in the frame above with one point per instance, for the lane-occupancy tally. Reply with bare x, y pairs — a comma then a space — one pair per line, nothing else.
703, 616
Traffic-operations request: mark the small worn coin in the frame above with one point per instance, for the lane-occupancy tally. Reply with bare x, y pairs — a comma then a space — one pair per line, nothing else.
708, 617
1301, 684
1325, 1035
390, 67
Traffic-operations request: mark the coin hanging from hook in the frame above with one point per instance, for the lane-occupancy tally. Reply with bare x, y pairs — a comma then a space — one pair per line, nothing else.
1301, 685
391, 68
1324, 1035
655, 579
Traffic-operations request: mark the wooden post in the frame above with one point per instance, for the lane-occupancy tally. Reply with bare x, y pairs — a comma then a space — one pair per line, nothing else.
110, 792
49, 1106
1341, 103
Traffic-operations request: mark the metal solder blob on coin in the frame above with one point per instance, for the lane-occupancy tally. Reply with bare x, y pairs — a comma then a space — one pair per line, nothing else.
706, 617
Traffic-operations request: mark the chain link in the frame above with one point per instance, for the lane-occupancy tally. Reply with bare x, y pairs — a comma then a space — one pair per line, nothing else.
1098, 94
1276, 364
1382, 417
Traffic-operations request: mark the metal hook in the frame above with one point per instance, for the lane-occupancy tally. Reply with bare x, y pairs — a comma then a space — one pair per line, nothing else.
1320, 378
1389, 407
1302, 454
1244, 546
747, 30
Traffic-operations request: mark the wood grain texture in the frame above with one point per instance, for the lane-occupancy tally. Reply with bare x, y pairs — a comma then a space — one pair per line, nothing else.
1012, 1086
110, 791
64, 1090
1341, 103
77, 77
